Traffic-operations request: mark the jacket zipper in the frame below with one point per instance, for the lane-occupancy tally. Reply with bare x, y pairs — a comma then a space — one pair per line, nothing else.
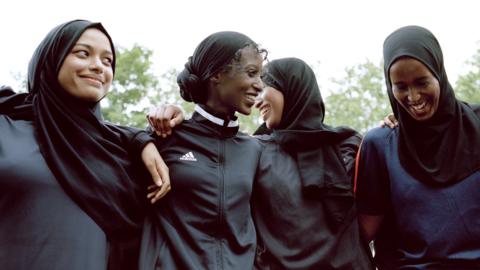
222, 199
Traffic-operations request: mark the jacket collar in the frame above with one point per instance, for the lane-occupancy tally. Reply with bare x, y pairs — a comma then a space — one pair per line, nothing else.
202, 110
223, 127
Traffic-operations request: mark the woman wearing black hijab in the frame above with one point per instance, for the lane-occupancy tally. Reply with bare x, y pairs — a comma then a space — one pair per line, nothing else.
205, 221
303, 196
72, 197
417, 184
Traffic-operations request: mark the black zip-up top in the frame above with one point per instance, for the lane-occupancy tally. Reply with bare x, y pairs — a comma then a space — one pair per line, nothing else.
205, 221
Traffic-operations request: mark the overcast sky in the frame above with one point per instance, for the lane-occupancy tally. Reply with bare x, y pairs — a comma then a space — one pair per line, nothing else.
334, 33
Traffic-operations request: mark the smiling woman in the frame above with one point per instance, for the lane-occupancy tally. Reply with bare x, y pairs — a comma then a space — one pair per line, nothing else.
73, 192
417, 184
205, 221
303, 195
271, 105
415, 88
87, 71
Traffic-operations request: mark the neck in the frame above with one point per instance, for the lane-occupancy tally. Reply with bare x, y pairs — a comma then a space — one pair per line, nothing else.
220, 109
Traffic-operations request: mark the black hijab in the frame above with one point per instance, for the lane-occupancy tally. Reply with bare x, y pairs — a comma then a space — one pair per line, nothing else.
302, 132
209, 58
427, 149
89, 158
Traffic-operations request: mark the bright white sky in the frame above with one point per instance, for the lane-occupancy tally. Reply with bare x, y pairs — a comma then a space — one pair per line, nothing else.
335, 33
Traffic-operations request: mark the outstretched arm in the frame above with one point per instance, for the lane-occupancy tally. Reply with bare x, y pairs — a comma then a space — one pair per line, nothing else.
140, 143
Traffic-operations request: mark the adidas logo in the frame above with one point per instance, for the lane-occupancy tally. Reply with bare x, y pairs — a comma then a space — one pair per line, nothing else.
188, 156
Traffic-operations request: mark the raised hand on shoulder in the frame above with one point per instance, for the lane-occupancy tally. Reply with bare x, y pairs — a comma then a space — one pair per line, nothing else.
164, 118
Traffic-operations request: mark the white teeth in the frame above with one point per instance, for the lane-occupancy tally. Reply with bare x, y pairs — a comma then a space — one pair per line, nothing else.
264, 112
250, 98
419, 107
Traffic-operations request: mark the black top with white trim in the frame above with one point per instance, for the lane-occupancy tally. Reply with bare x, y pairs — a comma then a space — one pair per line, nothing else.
205, 221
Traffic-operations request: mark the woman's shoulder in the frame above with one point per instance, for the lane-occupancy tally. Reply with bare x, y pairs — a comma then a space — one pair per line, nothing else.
252, 140
379, 136
264, 138
265, 141
475, 108
9, 122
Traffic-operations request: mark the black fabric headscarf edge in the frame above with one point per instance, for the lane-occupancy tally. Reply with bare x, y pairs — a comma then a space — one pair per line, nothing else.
89, 158
426, 149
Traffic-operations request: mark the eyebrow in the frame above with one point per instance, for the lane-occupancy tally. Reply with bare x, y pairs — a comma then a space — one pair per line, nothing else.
250, 66
422, 78
91, 48
416, 80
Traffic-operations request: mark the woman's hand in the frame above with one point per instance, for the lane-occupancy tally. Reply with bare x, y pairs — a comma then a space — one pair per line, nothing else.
159, 171
165, 117
389, 121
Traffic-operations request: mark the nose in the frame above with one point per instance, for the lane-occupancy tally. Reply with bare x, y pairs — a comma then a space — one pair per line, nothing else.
413, 95
258, 85
258, 100
96, 65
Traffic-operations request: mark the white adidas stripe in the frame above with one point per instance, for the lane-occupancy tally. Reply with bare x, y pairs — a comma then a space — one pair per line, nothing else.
188, 156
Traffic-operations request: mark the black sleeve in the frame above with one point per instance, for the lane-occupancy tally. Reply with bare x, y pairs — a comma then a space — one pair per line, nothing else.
372, 181
348, 150
134, 139
476, 109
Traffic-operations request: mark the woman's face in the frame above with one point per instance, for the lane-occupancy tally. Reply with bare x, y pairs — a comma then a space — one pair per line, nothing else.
415, 88
270, 104
86, 72
238, 87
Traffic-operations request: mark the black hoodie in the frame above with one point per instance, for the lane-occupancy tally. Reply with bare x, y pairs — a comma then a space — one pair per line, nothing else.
303, 196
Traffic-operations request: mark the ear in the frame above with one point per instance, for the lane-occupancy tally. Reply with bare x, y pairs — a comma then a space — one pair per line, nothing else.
215, 79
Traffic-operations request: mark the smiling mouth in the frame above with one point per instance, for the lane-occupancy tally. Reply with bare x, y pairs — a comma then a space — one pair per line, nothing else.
93, 80
264, 111
418, 107
251, 98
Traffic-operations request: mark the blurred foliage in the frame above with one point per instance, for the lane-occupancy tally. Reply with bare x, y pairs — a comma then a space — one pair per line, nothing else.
127, 101
359, 100
250, 123
467, 87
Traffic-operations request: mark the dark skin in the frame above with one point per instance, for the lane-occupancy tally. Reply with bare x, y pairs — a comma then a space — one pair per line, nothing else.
389, 121
234, 90
164, 118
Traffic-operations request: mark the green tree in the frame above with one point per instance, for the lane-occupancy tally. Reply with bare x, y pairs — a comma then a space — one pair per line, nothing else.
169, 93
468, 85
127, 101
249, 123
360, 101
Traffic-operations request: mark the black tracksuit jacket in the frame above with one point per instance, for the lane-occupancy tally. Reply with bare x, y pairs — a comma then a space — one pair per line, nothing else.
205, 221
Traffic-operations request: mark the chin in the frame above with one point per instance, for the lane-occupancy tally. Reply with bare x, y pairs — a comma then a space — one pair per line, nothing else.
421, 119
271, 124
91, 98
245, 111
